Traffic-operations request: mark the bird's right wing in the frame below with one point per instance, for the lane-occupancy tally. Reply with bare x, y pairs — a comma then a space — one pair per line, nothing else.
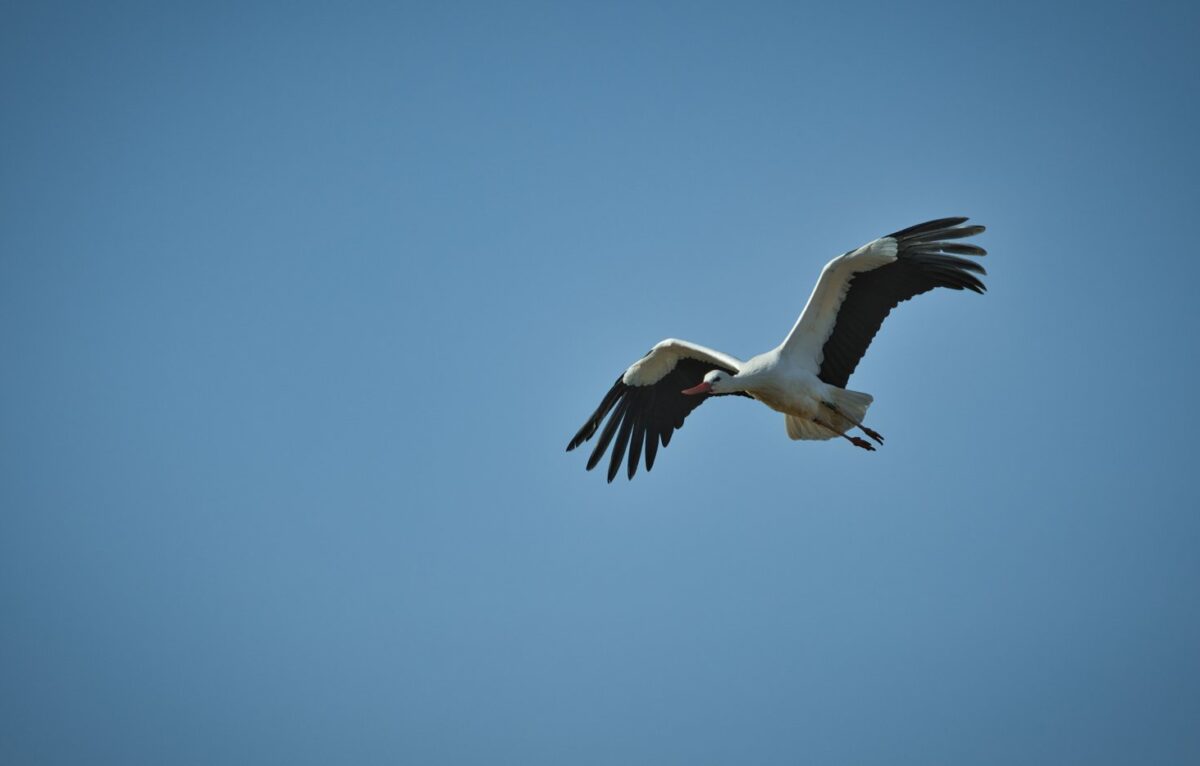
858, 290
647, 404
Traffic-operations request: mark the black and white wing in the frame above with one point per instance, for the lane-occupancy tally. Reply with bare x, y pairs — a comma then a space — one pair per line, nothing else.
647, 404
857, 290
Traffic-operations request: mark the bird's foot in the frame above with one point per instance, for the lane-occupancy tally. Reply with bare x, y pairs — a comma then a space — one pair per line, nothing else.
859, 442
872, 433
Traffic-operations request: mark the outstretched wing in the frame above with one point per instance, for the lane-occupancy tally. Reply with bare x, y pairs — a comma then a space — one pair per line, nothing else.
857, 291
647, 404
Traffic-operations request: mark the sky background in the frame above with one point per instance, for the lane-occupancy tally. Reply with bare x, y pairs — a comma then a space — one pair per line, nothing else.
300, 304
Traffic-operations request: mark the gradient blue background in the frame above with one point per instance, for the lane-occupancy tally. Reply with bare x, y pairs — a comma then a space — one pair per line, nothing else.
300, 304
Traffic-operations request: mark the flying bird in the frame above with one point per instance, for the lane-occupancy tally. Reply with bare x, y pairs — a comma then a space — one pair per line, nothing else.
804, 377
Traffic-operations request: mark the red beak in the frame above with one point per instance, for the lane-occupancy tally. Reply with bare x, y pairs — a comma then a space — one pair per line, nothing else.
703, 388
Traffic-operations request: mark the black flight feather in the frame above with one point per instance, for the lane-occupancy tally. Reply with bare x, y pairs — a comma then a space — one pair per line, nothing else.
644, 416
920, 266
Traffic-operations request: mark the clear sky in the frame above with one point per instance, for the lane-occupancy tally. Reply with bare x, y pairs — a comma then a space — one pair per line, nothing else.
300, 304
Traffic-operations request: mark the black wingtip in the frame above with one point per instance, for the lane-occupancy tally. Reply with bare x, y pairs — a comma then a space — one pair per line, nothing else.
934, 225
638, 419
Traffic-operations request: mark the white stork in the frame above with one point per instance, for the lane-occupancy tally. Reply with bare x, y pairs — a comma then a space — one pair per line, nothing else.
805, 376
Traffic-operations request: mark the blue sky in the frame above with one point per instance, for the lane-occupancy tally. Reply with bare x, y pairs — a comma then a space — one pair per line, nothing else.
300, 305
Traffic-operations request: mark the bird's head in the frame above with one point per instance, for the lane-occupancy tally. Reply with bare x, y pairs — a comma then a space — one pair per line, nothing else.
715, 382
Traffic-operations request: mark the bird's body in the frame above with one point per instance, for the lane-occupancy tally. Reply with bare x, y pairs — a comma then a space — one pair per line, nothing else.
805, 376
784, 387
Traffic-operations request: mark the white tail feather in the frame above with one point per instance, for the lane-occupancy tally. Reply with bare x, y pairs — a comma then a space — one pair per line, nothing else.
852, 404
800, 428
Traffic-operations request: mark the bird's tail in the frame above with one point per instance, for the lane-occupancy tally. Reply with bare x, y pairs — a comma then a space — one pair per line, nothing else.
852, 404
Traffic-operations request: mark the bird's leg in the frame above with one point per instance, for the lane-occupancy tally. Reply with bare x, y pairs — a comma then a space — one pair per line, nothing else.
868, 431
857, 442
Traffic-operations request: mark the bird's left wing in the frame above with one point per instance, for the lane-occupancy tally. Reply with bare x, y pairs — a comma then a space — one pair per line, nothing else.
857, 290
647, 403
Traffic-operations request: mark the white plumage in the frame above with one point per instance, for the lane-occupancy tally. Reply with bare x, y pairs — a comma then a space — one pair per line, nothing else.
666, 354
816, 321
805, 376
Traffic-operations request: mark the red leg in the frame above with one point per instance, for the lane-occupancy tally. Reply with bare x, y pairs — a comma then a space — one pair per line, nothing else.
868, 431
871, 432
857, 442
